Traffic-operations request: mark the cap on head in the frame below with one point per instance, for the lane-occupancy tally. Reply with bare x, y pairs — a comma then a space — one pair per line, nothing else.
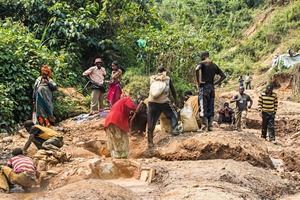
226, 104
17, 151
98, 60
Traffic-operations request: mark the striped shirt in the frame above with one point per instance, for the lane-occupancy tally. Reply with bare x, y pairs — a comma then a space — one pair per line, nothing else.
267, 103
21, 163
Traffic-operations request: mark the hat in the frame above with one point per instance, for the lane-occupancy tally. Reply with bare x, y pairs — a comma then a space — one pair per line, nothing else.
98, 60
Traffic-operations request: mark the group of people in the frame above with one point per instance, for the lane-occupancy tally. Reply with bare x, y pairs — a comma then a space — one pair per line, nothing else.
267, 104
236, 118
159, 101
21, 169
247, 80
96, 75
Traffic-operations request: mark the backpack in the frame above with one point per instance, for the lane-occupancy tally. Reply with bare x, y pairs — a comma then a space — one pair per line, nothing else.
158, 85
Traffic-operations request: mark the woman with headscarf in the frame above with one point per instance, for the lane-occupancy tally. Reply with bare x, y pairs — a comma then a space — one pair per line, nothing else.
43, 97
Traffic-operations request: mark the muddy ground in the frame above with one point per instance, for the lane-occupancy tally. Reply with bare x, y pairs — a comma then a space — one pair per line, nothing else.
201, 165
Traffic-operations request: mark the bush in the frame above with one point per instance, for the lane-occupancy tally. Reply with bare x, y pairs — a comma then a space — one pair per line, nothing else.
20, 59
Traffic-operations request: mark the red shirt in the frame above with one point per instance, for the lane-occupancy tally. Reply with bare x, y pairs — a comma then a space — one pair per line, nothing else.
119, 114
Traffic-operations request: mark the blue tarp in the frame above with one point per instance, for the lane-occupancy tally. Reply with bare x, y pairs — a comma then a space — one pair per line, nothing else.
285, 61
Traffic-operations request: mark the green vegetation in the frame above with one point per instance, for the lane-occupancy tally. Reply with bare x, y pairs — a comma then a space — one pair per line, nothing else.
69, 35
20, 61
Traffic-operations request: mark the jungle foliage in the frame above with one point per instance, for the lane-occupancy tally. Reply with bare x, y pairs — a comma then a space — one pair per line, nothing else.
69, 34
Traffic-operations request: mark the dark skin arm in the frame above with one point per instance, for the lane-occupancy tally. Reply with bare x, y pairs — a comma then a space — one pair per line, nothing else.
198, 76
173, 91
28, 143
32, 131
221, 78
251, 102
235, 99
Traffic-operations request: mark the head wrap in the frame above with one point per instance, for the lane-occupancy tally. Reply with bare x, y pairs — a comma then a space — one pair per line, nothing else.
46, 70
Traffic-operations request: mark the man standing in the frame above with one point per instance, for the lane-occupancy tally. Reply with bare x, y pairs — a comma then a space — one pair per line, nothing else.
241, 81
267, 106
19, 170
42, 137
116, 127
206, 83
248, 80
161, 103
96, 76
242, 106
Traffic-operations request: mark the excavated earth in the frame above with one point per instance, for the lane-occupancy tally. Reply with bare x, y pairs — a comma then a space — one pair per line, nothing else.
221, 164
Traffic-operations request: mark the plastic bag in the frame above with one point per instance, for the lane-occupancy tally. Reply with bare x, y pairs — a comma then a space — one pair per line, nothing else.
189, 122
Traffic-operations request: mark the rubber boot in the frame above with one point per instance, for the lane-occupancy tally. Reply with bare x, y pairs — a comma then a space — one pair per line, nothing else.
210, 123
150, 139
204, 123
174, 125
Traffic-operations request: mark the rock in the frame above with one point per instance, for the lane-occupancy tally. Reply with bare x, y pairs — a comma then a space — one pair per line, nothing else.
144, 175
51, 172
7, 139
135, 164
41, 166
151, 175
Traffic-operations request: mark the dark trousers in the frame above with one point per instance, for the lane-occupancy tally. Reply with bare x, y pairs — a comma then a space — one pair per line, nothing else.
268, 120
154, 111
51, 144
223, 119
207, 100
248, 85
